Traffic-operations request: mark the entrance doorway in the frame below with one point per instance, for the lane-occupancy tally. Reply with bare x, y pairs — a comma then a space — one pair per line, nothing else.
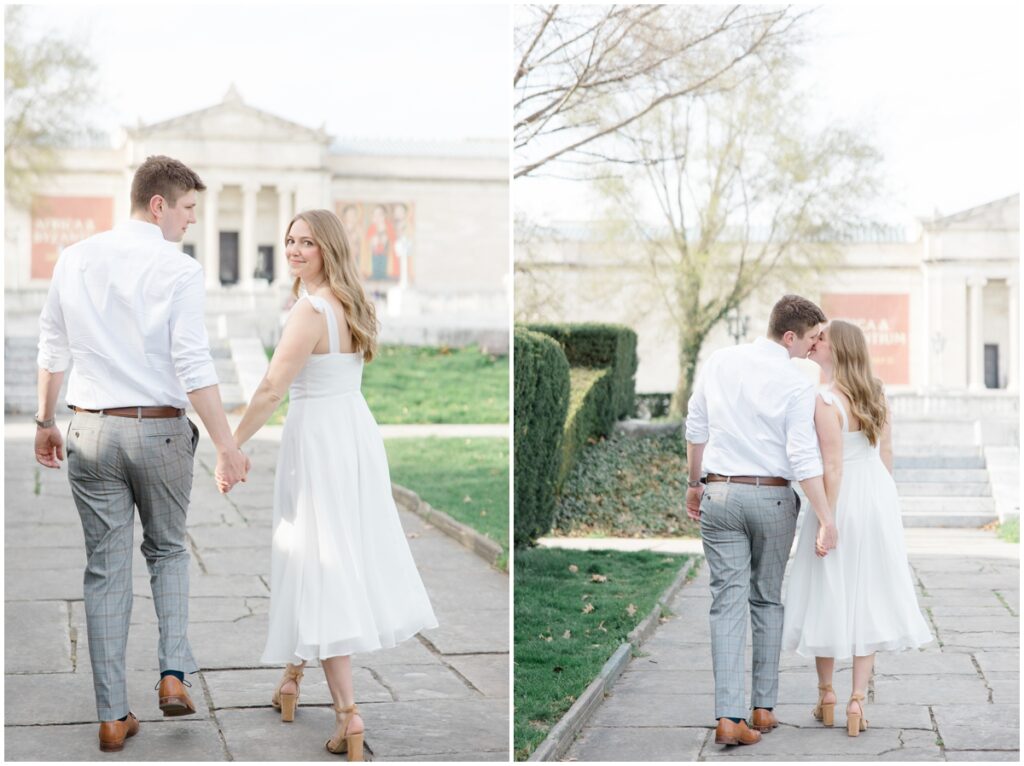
229, 257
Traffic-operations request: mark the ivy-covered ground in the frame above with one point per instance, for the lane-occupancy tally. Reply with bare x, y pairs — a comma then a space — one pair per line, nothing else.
627, 486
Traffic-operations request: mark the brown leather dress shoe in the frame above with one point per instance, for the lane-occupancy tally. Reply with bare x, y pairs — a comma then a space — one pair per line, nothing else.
763, 720
174, 699
729, 733
114, 733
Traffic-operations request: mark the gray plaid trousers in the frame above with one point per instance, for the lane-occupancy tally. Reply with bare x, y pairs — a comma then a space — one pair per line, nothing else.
116, 464
747, 532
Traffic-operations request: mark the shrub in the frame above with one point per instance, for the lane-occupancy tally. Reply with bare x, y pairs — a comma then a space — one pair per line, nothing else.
601, 345
540, 405
598, 400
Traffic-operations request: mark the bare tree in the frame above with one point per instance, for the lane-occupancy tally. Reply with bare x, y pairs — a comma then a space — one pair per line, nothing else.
49, 82
742, 190
586, 73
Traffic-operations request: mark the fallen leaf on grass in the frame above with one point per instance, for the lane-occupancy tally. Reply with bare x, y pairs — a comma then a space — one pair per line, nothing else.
598, 578
467, 499
567, 634
573, 568
601, 627
631, 610
588, 608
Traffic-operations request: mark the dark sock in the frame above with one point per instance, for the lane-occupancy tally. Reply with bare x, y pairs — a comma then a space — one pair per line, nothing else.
123, 719
734, 720
176, 673
768, 708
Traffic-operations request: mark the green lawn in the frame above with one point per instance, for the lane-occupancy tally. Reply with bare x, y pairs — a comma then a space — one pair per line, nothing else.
627, 487
569, 621
465, 478
1010, 531
413, 384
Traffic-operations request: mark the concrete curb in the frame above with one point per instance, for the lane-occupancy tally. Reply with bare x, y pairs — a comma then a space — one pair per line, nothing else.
564, 732
483, 547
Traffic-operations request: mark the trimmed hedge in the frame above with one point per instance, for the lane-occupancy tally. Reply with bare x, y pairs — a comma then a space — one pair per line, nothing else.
540, 405
601, 345
605, 400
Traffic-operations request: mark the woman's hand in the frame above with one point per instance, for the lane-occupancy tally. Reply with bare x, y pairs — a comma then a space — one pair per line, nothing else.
828, 538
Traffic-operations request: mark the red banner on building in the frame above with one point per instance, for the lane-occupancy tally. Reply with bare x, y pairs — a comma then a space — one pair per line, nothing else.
61, 221
885, 320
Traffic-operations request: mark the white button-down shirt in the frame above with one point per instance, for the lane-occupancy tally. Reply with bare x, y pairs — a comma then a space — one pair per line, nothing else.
755, 411
127, 307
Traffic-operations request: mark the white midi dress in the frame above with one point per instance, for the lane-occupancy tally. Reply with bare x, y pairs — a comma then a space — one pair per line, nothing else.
343, 580
858, 599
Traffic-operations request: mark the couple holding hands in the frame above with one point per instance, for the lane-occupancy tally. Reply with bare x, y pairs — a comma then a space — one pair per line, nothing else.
755, 425
126, 306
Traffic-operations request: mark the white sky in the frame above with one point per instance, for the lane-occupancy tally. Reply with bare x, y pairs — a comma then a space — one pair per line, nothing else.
937, 88
434, 73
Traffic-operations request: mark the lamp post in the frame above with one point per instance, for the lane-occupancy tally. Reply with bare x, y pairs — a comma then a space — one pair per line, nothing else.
738, 325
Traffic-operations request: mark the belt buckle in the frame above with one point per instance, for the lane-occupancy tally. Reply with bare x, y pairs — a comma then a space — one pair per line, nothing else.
757, 482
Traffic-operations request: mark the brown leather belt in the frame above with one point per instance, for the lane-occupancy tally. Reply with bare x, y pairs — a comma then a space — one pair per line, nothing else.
757, 481
137, 412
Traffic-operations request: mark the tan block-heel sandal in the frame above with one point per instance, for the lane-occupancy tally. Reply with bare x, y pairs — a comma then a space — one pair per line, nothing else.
287, 702
856, 722
825, 712
342, 741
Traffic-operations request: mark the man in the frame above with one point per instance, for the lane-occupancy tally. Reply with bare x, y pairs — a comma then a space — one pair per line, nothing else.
750, 425
127, 307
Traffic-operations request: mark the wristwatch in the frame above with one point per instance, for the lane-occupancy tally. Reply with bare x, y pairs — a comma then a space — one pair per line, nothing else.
694, 484
45, 423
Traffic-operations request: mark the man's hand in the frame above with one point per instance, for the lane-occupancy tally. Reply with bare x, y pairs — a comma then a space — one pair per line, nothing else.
232, 467
828, 538
693, 497
49, 447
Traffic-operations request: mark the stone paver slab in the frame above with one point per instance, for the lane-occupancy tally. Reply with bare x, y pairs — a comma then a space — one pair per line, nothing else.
36, 637
929, 690
919, 663
466, 633
254, 688
983, 755
489, 673
423, 682
978, 727
68, 698
661, 710
169, 740
881, 716
646, 744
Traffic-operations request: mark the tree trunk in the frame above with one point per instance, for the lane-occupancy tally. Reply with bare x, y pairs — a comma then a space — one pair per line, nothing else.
690, 344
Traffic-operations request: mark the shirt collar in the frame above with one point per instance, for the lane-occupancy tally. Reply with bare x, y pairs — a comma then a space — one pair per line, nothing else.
142, 228
766, 346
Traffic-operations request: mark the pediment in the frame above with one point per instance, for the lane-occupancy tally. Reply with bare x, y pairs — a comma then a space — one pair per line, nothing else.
232, 119
998, 215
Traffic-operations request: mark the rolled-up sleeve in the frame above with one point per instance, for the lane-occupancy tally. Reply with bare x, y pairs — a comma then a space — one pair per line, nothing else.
697, 411
801, 438
54, 351
190, 345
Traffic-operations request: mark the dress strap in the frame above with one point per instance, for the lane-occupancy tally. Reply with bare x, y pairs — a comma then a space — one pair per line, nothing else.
831, 399
323, 307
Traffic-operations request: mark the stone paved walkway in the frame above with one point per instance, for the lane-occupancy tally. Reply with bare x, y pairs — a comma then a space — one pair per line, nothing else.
956, 700
441, 696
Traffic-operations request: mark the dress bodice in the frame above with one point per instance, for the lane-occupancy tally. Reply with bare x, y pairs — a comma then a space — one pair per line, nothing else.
331, 374
855, 444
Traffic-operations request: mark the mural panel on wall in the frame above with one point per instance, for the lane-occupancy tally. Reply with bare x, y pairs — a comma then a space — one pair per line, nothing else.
885, 320
61, 221
382, 235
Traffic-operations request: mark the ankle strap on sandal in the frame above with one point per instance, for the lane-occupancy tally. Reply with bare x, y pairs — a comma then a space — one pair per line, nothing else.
826, 687
294, 672
855, 697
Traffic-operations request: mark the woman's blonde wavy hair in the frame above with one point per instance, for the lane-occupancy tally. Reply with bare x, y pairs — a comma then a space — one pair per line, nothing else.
853, 376
343, 277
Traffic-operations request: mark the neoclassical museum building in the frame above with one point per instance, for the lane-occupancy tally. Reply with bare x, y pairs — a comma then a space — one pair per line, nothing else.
428, 221
940, 307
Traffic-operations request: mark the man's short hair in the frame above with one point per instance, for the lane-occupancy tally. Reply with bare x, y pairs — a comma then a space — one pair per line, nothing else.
164, 176
794, 313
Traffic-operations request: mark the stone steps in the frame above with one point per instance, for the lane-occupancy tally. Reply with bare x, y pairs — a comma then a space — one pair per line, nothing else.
913, 475
20, 395
943, 489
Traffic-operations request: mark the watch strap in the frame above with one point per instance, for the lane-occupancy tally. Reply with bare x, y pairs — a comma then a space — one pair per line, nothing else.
49, 423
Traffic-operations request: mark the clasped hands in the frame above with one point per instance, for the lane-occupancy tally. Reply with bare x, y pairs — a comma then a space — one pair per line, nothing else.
232, 467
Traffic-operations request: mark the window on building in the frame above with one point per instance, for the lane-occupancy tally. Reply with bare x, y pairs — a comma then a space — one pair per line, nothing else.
265, 263
189, 250
229, 257
991, 365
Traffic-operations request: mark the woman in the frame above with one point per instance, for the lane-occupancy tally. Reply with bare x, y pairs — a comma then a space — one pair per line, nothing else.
342, 577
859, 598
